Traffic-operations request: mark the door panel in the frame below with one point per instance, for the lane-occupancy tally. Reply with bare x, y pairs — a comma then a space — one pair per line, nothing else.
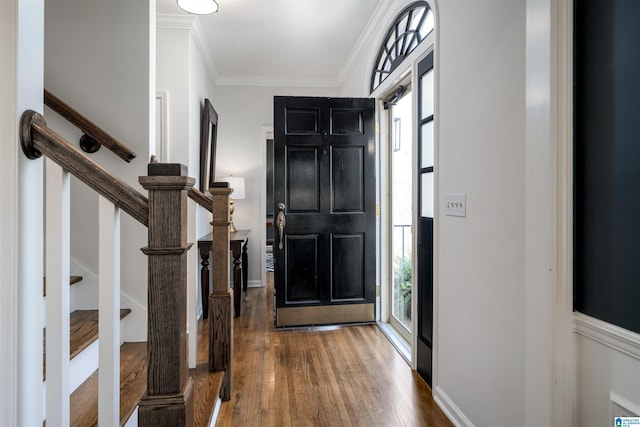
302, 274
348, 262
324, 179
302, 121
346, 122
303, 179
347, 168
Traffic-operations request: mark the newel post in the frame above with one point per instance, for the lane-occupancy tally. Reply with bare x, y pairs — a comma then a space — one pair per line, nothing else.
221, 299
168, 400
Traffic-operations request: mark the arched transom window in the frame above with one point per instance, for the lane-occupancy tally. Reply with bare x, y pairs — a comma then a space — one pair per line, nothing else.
411, 26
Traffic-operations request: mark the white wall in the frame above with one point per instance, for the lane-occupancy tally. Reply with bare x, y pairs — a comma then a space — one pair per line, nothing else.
481, 343
9, 152
183, 73
481, 259
505, 345
97, 59
243, 112
201, 86
21, 81
608, 361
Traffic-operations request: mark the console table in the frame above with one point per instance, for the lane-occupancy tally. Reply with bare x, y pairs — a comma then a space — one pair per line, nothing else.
238, 242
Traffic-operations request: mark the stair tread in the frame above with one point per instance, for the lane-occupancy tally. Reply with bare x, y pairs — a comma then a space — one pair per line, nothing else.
133, 384
83, 332
84, 329
72, 281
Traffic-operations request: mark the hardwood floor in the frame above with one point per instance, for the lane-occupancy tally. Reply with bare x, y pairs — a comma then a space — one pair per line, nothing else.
349, 376
206, 385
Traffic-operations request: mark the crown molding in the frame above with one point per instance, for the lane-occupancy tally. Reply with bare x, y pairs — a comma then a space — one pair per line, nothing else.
191, 23
275, 82
370, 34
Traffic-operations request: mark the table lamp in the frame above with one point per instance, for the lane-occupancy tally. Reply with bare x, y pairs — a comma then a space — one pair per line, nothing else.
236, 183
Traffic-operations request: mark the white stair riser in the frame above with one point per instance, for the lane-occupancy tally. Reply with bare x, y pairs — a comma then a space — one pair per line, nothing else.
80, 368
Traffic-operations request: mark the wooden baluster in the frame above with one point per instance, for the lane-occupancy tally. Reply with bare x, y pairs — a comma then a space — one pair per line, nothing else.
220, 300
169, 400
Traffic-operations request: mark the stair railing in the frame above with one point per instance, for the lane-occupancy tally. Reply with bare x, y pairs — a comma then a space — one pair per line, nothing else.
94, 137
169, 387
203, 199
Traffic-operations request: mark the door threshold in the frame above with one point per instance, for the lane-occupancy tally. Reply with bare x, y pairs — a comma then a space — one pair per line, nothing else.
316, 328
399, 343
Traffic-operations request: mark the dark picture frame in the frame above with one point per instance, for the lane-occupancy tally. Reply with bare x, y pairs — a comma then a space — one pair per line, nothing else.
208, 139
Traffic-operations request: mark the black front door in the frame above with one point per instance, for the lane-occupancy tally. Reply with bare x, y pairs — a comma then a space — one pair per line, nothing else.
324, 207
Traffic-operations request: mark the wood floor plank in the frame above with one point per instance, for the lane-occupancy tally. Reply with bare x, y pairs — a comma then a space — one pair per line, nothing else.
133, 384
345, 376
206, 385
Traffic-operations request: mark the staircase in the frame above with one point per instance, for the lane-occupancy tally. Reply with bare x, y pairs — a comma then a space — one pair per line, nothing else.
133, 383
84, 374
133, 374
94, 378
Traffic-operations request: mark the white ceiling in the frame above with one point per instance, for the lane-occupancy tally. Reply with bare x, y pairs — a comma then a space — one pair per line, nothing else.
282, 39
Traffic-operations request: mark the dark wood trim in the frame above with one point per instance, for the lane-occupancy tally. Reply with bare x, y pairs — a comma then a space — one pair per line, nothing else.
221, 297
169, 397
201, 198
221, 338
99, 136
206, 384
208, 142
38, 139
238, 242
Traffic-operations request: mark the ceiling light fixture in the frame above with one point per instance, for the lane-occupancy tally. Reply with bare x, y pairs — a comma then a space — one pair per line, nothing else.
199, 7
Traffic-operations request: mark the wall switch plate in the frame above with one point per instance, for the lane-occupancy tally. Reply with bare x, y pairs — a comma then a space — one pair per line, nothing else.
455, 204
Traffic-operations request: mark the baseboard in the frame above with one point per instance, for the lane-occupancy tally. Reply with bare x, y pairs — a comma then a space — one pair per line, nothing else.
255, 284
216, 412
133, 419
612, 336
84, 295
455, 415
134, 326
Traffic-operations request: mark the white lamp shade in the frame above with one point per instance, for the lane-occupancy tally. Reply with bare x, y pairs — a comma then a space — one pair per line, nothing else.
237, 184
198, 7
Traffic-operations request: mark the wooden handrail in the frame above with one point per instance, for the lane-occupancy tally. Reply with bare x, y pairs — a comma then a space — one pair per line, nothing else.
37, 139
91, 130
204, 200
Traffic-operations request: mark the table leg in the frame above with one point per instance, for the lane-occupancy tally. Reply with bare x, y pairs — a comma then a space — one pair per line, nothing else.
237, 279
245, 269
204, 278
